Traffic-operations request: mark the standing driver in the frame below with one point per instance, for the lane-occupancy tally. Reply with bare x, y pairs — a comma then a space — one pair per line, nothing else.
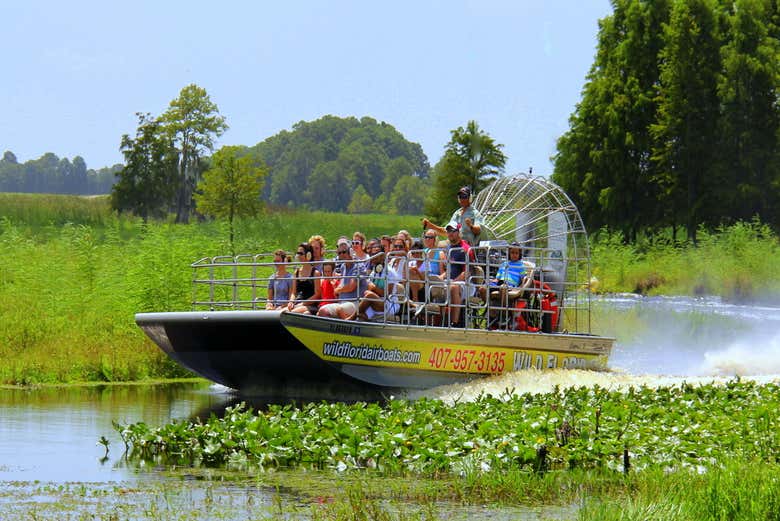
466, 218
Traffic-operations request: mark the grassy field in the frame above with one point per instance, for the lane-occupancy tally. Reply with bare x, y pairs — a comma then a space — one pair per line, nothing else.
72, 275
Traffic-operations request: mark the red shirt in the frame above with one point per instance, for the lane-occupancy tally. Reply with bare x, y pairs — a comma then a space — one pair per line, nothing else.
328, 295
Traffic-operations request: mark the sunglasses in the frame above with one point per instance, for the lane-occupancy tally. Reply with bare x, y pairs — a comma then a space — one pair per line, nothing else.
300, 253
463, 196
342, 251
398, 246
430, 236
357, 242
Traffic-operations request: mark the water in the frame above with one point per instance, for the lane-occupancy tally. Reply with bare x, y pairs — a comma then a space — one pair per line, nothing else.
660, 341
50, 435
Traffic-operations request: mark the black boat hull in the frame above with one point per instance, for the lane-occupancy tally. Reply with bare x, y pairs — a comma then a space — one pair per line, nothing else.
251, 352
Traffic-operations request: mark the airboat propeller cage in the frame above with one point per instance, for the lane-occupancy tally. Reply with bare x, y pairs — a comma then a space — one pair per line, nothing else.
536, 213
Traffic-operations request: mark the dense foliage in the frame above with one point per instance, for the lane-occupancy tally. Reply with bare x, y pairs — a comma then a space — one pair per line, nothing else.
164, 162
679, 123
740, 262
471, 158
672, 428
52, 175
339, 163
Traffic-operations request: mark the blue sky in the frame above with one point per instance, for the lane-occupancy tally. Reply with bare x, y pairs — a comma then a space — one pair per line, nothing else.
75, 73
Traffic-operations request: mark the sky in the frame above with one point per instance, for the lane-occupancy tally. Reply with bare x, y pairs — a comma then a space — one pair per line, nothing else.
74, 74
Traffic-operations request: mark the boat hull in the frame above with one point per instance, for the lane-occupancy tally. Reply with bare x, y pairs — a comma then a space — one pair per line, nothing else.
421, 357
266, 353
249, 351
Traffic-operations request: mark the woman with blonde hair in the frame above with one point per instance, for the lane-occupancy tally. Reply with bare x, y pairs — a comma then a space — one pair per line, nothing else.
318, 247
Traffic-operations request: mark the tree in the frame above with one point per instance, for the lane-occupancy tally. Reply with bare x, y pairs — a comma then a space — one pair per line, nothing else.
147, 183
603, 161
231, 187
471, 158
750, 122
337, 151
191, 121
409, 196
361, 202
688, 113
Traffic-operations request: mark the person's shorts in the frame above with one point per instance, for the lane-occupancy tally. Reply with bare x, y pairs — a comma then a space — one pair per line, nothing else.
469, 290
391, 308
338, 310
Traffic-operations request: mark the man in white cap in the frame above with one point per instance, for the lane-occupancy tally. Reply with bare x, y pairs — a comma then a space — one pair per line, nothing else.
466, 218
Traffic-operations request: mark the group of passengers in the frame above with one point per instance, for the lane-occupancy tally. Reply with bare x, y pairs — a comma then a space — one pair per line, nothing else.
367, 279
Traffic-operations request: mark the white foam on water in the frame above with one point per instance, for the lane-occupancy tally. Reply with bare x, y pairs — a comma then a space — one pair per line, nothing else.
534, 381
676, 340
745, 357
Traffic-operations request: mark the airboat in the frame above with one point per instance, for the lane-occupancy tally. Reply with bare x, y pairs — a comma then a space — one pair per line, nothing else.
231, 339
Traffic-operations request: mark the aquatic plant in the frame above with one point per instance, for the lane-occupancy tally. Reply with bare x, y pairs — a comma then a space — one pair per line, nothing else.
675, 427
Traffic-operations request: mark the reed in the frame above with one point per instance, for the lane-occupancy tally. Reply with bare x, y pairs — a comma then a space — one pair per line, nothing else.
734, 490
739, 262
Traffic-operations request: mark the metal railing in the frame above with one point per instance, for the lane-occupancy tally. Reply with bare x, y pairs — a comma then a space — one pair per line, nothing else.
416, 296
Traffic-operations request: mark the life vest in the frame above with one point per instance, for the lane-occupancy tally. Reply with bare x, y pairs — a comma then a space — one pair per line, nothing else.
542, 297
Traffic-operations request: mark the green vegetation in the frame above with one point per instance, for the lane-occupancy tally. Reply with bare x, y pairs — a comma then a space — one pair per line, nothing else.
50, 174
734, 491
739, 262
679, 123
230, 189
72, 275
332, 163
164, 161
678, 453
670, 428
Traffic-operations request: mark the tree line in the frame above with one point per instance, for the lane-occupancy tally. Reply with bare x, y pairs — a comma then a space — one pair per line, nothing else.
679, 121
344, 164
334, 164
52, 175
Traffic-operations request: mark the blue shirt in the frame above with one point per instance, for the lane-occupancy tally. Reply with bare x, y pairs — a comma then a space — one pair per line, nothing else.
349, 270
511, 272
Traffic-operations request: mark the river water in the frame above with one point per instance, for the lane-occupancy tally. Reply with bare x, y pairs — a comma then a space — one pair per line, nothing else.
51, 435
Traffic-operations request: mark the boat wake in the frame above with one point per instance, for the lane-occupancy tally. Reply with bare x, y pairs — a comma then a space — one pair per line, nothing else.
536, 382
671, 341
745, 358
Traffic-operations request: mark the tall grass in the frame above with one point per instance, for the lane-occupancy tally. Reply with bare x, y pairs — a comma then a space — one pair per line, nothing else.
739, 262
737, 491
39, 210
70, 284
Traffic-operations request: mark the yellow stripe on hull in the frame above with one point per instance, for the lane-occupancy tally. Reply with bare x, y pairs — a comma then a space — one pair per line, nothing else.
444, 354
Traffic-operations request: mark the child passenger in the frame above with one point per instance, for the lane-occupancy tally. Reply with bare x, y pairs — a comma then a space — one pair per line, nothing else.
327, 283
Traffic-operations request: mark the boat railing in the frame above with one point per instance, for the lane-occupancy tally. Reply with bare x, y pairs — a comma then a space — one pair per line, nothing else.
550, 300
